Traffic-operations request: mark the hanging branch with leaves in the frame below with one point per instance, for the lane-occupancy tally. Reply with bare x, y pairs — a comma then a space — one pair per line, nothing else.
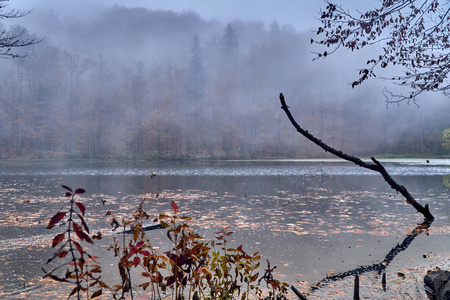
413, 34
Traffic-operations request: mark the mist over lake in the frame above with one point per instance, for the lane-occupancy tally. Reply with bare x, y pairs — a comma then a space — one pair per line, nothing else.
119, 118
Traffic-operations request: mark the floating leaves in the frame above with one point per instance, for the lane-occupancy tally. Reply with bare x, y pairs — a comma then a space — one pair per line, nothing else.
316, 212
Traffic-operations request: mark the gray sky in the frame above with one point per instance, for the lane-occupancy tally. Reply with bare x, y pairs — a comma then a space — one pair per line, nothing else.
299, 13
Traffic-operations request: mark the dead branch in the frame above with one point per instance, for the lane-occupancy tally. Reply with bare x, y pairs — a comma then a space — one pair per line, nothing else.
375, 166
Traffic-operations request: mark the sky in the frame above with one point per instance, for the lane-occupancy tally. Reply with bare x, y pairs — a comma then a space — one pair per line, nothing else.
301, 14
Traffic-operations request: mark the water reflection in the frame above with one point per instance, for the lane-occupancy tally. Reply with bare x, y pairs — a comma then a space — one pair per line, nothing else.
381, 266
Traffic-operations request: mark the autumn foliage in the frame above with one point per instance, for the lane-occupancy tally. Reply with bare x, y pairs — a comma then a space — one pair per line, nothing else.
192, 268
80, 268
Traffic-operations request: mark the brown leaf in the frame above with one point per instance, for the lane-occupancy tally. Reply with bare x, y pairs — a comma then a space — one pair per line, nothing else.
96, 294
58, 239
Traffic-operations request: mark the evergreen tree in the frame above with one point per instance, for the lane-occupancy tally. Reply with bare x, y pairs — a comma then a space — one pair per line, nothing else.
196, 77
229, 47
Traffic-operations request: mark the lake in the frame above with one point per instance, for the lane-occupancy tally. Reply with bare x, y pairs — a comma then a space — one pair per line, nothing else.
308, 217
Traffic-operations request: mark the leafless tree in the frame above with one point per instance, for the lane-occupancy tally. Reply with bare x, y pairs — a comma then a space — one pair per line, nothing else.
13, 39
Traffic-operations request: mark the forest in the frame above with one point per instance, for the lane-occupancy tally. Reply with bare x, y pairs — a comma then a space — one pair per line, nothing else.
134, 83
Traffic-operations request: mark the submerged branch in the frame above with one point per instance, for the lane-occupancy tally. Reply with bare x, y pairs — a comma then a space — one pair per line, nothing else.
375, 166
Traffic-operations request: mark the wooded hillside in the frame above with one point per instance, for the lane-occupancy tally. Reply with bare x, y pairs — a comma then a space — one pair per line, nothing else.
158, 84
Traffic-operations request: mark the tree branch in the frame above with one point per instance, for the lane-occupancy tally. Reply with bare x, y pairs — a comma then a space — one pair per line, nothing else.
375, 166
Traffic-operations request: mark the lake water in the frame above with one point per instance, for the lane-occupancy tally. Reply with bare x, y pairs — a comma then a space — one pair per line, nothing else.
308, 217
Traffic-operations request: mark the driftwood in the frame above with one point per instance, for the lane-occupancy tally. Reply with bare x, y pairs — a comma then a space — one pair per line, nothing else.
145, 228
374, 166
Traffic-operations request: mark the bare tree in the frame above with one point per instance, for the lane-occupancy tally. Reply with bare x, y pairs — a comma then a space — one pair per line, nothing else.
375, 165
10, 40
413, 34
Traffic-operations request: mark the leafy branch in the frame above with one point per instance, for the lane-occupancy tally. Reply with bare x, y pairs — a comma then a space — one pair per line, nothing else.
81, 268
413, 34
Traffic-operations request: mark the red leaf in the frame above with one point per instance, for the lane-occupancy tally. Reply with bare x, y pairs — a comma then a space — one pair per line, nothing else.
83, 236
80, 191
136, 261
145, 274
67, 188
145, 253
170, 281
63, 254
133, 250
81, 207
174, 207
58, 239
83, 223
138, 245
79, 248
55, 219
77, 227
68, 194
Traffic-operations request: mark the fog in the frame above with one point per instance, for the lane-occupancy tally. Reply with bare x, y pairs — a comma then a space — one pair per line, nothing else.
203, 81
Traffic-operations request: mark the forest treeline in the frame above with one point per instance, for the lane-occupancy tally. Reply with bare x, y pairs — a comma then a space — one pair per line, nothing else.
135, 83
